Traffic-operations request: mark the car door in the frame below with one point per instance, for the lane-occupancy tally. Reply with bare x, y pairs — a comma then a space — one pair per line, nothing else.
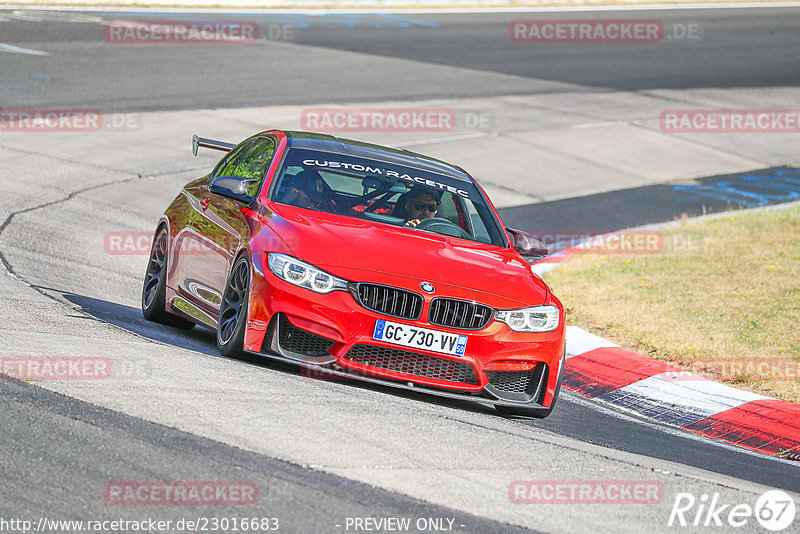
221, 227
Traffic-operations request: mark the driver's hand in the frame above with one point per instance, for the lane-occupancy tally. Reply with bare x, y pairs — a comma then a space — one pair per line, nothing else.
412, 222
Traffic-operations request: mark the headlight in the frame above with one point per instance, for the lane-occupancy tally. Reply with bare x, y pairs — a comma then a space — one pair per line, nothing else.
533, 319
304, 275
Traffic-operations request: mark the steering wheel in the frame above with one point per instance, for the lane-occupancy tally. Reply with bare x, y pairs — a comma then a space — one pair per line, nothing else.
443, 226
326, 197
329, 204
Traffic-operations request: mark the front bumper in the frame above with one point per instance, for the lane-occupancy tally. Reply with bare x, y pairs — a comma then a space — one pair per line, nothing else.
331, 335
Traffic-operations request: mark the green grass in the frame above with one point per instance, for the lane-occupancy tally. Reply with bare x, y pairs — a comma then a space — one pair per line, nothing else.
720, 299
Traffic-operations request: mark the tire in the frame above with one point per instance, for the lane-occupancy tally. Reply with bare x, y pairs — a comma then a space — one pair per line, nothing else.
154, 288
233, 310
536, 413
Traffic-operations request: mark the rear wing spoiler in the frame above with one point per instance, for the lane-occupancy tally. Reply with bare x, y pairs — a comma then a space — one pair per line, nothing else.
198, 142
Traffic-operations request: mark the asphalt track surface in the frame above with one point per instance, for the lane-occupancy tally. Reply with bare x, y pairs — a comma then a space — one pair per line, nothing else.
127, 448
736, 48
44, 432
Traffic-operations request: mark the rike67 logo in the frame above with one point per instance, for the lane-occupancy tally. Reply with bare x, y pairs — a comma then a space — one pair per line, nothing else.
774, 510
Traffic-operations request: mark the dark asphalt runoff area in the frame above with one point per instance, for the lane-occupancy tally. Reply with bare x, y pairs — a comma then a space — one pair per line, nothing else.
736, 48
659, 203
45, 436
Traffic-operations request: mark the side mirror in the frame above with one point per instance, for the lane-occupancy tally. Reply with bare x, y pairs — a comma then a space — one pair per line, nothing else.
234, 187
527, 245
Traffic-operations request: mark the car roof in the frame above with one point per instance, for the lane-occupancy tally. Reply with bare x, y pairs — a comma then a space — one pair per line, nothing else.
350, 147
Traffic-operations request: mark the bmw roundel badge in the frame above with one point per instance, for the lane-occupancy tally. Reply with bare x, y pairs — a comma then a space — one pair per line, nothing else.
427, 287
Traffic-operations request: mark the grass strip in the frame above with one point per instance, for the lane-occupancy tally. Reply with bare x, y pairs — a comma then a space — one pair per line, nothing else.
720, 298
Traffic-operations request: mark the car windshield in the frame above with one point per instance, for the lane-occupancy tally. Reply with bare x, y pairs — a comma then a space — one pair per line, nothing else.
385, 192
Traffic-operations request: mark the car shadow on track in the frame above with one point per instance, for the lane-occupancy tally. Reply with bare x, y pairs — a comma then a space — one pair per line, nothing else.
129, 318
203, 340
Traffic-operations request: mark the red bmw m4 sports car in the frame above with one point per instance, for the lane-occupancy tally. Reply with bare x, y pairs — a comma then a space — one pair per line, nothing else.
359, 261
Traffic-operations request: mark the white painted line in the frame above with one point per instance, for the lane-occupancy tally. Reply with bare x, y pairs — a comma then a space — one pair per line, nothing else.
541, 268
580, 341
601, 124
627, 415
695, 399
436, 140
4, 47
52, 16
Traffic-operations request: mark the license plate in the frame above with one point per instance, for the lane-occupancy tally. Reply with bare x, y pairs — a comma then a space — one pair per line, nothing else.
420, 338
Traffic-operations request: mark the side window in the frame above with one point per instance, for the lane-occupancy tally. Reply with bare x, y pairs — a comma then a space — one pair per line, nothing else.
228, 164
250, 160
255, 163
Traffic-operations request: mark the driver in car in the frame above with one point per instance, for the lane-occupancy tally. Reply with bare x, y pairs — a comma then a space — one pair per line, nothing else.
417, 206
303, 190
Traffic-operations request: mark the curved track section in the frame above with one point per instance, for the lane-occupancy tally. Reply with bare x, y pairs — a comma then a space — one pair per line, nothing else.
77, 215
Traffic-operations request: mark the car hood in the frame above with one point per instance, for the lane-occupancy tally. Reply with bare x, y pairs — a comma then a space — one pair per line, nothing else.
353, 248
